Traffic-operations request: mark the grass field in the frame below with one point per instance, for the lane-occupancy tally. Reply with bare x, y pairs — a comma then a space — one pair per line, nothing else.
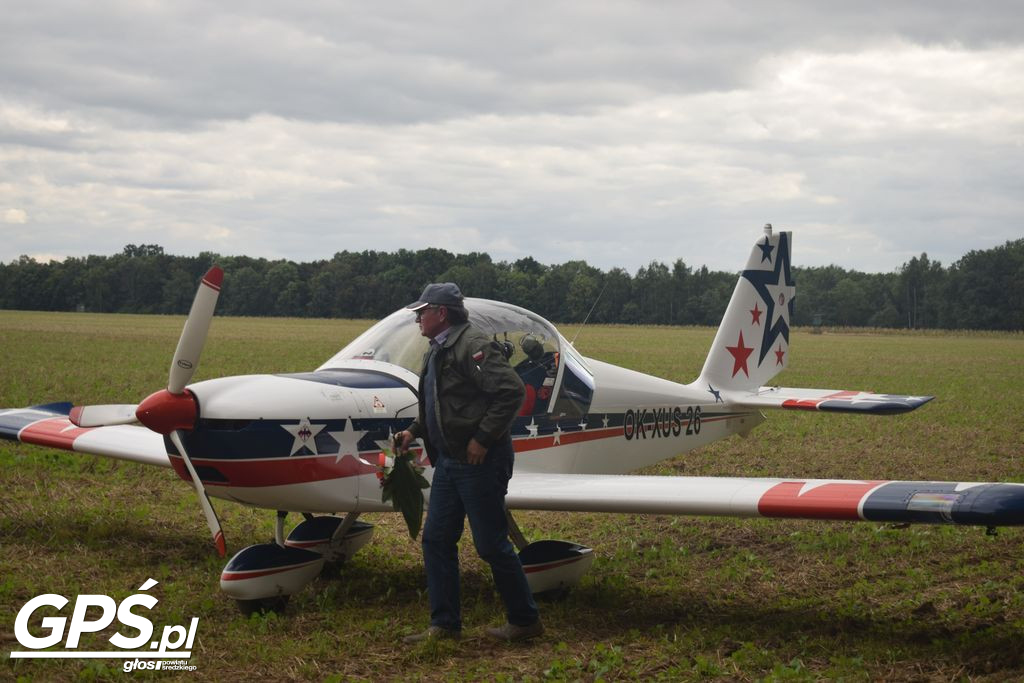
668, 598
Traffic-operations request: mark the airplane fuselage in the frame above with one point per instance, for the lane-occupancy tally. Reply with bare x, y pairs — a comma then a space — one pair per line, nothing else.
310, 442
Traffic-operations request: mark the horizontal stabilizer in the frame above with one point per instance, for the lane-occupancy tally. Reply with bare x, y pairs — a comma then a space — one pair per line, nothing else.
828, 400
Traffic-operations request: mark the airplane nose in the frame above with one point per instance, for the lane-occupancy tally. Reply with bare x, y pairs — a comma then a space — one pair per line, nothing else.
164, 412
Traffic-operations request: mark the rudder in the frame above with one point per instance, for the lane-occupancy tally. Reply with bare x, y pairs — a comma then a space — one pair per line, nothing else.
752, 343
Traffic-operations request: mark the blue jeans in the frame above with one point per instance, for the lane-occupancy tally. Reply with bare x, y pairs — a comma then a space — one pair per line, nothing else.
461, 490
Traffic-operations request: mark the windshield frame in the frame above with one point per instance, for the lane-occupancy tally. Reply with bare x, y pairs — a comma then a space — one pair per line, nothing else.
502, 321
394, 345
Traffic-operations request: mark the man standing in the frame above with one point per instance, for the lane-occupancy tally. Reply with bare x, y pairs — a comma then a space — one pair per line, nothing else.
469, 396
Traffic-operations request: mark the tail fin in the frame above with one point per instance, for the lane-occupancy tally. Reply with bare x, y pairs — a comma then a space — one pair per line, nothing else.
752, 344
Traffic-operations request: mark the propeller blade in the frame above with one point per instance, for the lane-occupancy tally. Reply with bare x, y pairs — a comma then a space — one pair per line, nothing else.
193, 335
204, 500
103, 415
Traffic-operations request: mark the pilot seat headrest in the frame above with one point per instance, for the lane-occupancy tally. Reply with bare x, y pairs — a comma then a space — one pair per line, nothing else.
532, 348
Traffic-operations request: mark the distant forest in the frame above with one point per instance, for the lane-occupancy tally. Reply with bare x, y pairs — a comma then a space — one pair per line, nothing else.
984, 290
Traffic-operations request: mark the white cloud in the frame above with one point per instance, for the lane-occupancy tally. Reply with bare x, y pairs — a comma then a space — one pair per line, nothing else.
46, 257
17, 216
650, 131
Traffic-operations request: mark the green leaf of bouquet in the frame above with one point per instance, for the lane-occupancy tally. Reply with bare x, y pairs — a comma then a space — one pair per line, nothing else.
404, 487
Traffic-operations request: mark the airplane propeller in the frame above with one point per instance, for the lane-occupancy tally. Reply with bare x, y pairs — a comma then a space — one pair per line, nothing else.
173, 411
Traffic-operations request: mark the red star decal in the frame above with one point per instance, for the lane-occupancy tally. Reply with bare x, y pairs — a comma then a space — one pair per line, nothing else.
779, 353
740, 353
756, 315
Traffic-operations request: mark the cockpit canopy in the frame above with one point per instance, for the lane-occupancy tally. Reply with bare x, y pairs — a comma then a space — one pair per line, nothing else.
548, 365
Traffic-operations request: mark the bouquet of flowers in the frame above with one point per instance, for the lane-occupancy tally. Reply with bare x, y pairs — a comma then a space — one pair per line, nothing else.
403, 482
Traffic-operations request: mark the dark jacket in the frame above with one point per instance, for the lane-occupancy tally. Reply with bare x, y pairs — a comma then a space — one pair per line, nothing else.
478, 392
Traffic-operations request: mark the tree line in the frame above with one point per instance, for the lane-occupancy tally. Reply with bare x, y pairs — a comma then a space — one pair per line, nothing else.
982, 290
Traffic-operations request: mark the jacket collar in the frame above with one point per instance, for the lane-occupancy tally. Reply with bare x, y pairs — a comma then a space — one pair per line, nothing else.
454, 332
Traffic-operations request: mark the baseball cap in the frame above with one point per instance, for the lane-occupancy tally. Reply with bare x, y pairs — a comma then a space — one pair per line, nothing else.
438, 294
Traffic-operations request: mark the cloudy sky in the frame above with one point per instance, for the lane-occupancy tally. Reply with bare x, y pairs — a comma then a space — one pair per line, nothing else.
616, 132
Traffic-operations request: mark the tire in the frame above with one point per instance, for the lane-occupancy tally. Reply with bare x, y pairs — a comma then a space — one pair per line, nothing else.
263, 605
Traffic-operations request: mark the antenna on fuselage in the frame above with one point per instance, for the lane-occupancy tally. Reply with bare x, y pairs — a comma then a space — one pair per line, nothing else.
583, 324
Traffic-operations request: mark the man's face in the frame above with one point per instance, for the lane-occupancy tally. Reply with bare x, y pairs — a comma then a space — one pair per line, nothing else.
433, 320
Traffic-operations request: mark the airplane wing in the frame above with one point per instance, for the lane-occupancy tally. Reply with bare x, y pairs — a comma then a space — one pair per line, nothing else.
829, 400
833, 499
48, 425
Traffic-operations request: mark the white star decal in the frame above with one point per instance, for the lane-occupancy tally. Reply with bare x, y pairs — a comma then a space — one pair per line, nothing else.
532, 428
388, 443
348, 440
558, 436
604, 422
305, 435
583, 425
816, 483
781, 295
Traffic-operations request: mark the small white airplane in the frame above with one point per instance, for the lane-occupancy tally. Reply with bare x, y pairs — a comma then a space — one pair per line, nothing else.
312, 442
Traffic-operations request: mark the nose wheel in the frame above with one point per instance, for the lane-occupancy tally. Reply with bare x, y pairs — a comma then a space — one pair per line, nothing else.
262, 577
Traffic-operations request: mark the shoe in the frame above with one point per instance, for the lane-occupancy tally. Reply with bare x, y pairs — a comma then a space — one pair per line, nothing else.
513, 633
432, 632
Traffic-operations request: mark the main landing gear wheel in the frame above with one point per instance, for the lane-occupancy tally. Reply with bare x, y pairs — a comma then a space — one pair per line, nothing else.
336, 538
553, 595
552, 568
277, 604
